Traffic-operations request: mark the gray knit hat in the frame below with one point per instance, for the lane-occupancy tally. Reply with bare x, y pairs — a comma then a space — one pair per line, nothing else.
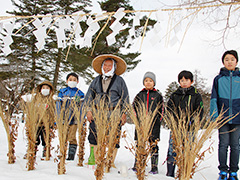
150, 75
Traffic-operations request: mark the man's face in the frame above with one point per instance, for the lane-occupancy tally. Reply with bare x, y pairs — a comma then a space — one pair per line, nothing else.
107, 66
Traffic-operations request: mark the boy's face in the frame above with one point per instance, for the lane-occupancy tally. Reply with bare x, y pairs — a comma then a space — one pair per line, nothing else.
72, 78
148, 83
185, 83
107, 66
230, 62
45, 87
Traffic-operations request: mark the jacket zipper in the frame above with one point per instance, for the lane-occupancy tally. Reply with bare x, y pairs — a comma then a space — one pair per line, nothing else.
230, 101
147, 100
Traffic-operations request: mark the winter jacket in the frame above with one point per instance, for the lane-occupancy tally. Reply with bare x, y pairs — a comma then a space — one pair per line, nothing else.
116, 91
185, 99
226, 95
69, 94
153, 99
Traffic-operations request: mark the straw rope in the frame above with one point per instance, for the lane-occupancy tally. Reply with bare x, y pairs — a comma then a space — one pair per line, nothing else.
126, 11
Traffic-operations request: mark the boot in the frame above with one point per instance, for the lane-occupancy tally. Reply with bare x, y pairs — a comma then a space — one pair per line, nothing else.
44, 151
154, 164
170, 169
134, 166
233, 176
222, 175
71, 152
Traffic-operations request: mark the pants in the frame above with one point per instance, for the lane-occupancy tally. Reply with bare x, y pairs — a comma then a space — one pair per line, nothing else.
171, 154
229, 139
41, 134
92, 137
72, 131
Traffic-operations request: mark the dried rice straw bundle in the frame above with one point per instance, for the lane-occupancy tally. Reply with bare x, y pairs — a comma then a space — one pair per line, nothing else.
143, 125
48, 122
34, 110
82, 132
11, 130
189, 137
65, 114
107, 121
113, 136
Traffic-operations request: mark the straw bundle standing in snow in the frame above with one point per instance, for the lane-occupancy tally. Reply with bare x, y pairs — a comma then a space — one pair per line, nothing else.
143, 124
188, 139
11, 130
107, 121
34, 111
64, 114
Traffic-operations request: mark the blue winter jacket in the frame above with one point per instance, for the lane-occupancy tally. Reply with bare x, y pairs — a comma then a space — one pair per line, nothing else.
226, 95
69, 94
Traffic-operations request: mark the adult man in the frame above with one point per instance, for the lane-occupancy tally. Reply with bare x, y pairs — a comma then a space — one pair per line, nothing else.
108, 84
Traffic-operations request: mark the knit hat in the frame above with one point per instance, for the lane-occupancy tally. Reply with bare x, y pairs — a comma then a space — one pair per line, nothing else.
232, 52
150, 75
121, 64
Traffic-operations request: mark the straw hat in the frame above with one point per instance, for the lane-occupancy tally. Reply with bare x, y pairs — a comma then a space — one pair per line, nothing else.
120, 63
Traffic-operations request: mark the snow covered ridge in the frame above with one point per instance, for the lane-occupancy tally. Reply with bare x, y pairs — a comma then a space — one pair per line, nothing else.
48, 169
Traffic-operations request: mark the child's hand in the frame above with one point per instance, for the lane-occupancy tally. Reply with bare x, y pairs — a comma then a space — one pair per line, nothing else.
89, 116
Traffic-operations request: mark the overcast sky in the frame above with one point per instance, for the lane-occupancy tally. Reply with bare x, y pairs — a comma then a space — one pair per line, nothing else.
196, 51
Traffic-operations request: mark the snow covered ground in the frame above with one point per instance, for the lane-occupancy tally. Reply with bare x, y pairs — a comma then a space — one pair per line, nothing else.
48, 169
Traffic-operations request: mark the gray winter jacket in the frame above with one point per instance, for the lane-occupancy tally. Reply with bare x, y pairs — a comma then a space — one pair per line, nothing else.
116, 91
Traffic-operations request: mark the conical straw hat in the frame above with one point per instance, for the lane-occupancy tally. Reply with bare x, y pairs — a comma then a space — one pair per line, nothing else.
97, 63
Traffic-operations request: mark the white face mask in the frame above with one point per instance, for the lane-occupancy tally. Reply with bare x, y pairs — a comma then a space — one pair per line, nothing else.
45, 92
72, 84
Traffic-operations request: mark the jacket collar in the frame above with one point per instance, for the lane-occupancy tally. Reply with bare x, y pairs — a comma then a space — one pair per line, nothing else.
144, 89
225, 72
186, 91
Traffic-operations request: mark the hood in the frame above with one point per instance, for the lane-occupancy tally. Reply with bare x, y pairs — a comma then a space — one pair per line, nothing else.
187, 91
225, 72
149, 90
45, 83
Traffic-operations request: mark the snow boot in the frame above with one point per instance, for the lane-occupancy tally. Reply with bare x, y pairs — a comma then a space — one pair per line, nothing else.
170, 169
71, 152
44, 151
222, 175
134, 166
154, 164
233, 176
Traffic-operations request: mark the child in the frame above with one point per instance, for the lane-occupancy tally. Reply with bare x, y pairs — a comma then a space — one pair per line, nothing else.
225, 96
184, 98
70, 93
45, 91
153, 99
44, 94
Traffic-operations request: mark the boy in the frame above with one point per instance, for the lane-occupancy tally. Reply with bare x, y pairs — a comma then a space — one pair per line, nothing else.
184, 98
71, 92
225, 96
150, 96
